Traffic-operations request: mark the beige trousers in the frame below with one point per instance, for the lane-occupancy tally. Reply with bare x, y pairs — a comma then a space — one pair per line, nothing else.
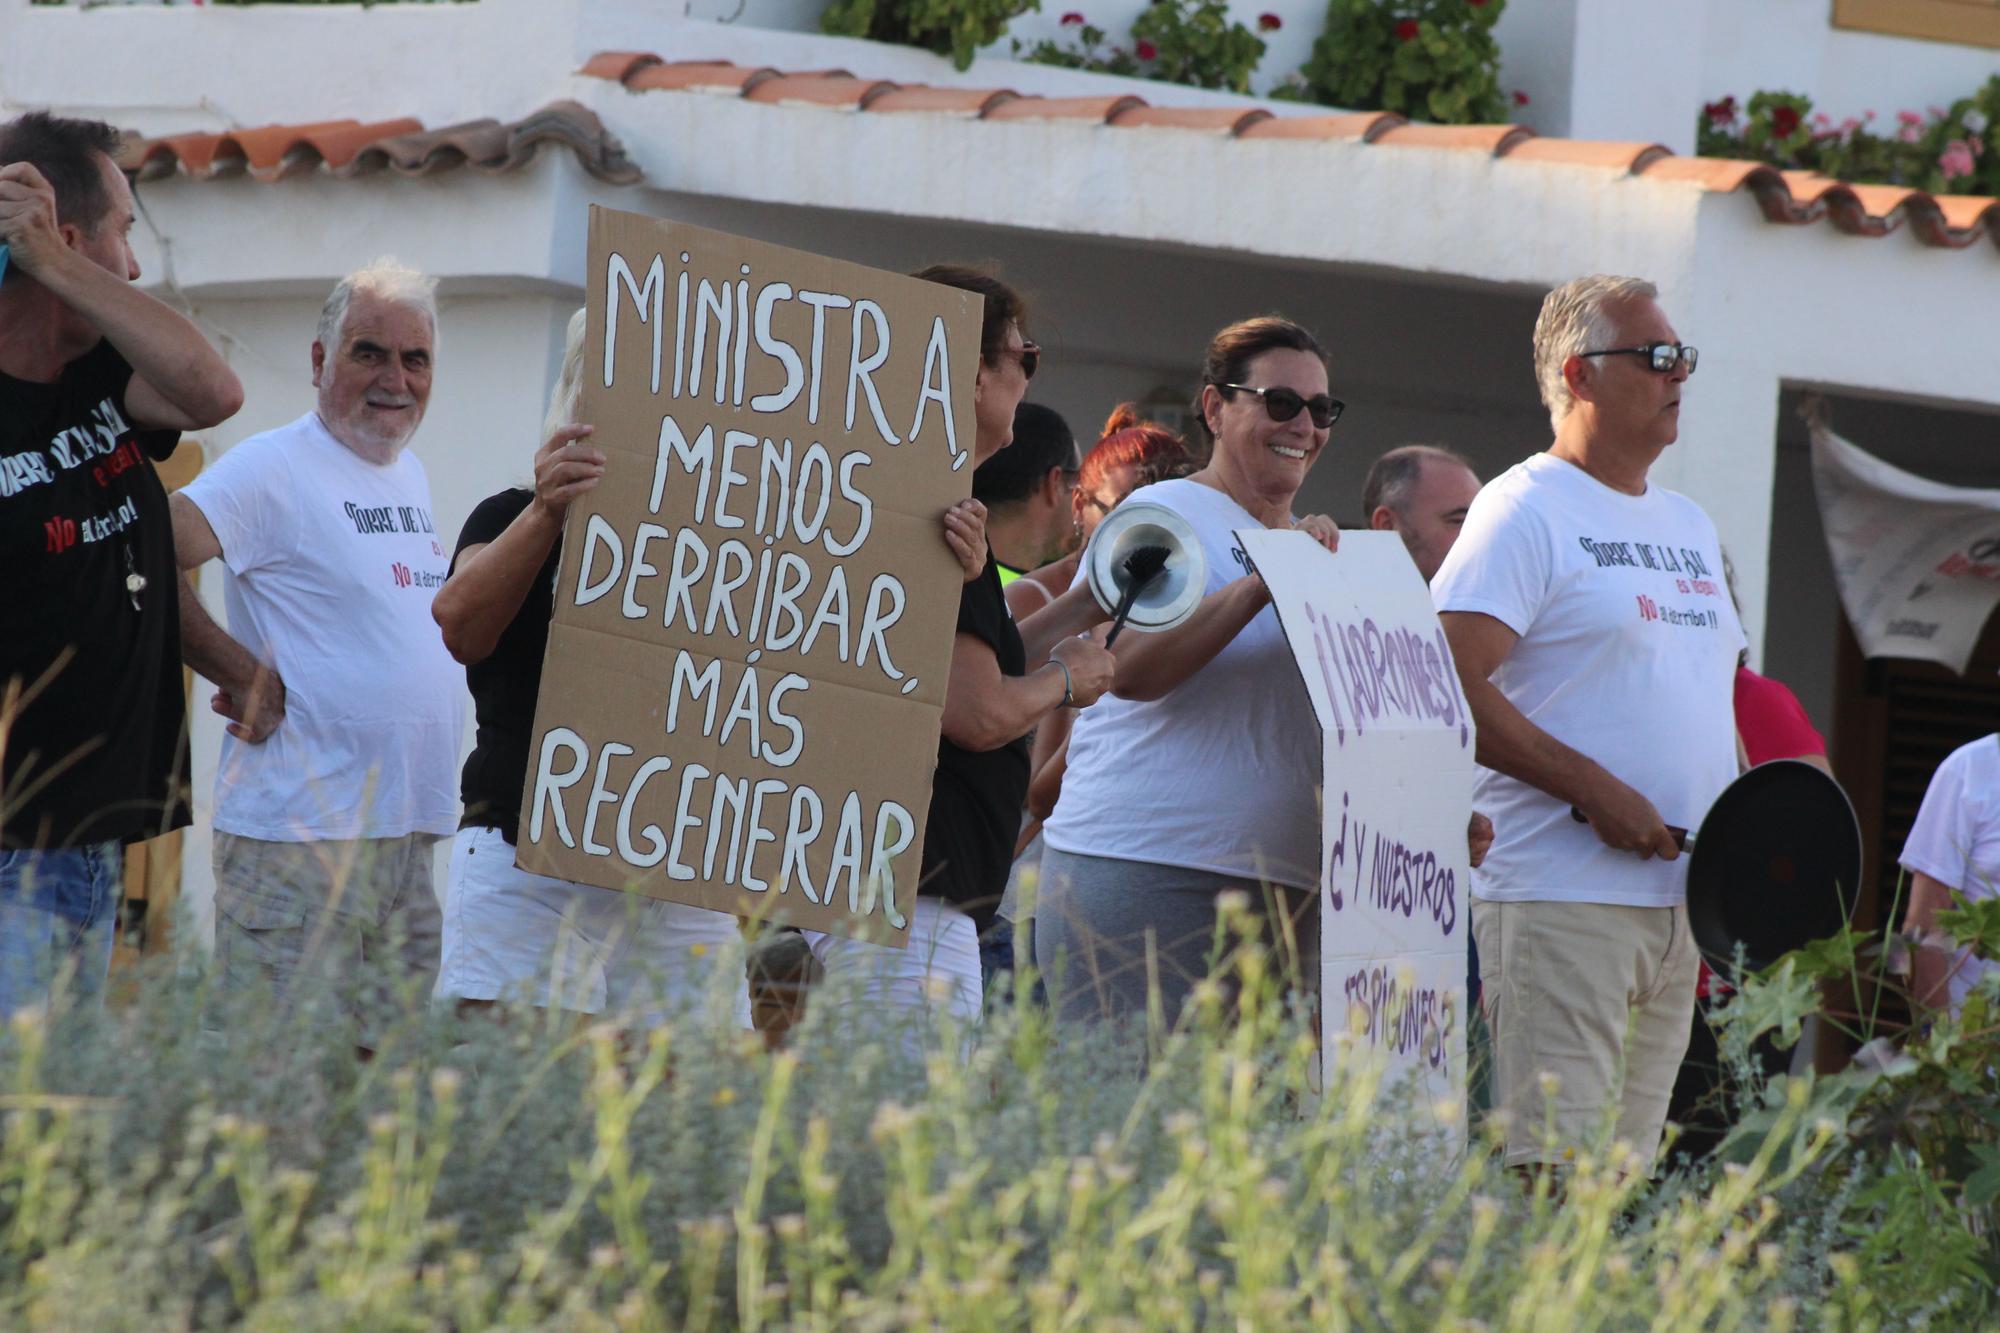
1590, 1005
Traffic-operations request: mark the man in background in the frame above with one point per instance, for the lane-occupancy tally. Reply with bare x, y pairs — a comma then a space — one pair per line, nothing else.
97, 379
1421, 492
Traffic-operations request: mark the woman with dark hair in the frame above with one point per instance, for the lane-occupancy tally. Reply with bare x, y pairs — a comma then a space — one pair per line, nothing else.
1200, 775
1003, 680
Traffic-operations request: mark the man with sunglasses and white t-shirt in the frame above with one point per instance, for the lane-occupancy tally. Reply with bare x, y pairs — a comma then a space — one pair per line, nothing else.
1597, 644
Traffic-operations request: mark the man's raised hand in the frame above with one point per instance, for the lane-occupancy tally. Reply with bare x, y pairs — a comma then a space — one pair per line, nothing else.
28, 216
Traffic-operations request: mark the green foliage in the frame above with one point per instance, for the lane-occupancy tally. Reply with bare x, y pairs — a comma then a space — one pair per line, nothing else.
1191, 42
1916, 1191
957, 28
1951, 149
1432, 60
539, 1173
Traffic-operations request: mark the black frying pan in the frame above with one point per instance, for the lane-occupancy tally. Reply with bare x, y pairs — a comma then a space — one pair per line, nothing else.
1774, 866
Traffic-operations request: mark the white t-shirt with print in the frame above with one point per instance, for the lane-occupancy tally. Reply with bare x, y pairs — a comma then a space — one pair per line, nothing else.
1627, 655
1223, 773
331, 563
1956, 839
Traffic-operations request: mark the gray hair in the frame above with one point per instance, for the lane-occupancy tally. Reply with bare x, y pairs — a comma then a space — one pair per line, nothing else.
1395, 474
1574, 316
386, 279
569, 381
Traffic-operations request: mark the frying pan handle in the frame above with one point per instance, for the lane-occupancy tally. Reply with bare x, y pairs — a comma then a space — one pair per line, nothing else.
1680, 834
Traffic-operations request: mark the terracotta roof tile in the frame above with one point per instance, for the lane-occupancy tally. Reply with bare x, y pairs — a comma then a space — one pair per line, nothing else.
1626, 157
1362, 126
619, 66
1103, 110
709, 75
1231, 120
948, 101
1719, 174
1969, 215
1494, 139
836, 90
347, 148
1795, 198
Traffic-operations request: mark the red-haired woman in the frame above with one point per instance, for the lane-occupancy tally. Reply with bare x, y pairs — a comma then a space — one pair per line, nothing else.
1130, 452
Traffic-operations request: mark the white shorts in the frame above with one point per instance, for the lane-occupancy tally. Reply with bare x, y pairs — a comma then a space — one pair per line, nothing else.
510, 934
936, 972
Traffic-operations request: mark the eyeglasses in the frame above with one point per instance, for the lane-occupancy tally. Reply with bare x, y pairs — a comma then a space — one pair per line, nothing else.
1283, 404
1031, 358
1662, 357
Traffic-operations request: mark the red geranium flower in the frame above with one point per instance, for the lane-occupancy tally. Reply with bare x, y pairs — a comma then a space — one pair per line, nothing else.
1784, 120
1071, 19
1720, 113
1269, 22
1407, 30
1145, 50
1520, 98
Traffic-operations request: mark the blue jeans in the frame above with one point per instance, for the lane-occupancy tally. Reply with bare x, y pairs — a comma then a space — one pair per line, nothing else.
58, 909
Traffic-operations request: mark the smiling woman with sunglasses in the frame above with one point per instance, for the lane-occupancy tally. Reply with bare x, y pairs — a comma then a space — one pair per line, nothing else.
1199, 776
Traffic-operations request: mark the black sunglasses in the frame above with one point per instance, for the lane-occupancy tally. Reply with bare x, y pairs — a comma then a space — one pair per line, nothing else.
1662, 357
1283, 404
1031, 358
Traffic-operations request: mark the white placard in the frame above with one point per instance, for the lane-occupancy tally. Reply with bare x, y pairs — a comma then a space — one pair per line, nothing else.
1917, 561
1395, 881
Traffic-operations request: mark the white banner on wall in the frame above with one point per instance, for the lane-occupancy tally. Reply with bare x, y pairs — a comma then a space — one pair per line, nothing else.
1397, 793
1917, 561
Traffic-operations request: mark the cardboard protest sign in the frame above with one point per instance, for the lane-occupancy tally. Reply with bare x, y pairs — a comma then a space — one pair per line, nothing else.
1395, 880
755, 608
1917, 561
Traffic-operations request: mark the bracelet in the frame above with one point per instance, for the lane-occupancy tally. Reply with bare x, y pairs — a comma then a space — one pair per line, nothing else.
1069, 694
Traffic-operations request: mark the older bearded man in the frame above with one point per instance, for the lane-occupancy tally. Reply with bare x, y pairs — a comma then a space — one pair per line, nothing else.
336, 777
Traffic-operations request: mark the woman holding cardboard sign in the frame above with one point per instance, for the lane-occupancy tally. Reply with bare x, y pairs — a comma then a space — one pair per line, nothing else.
1199, 777
992, 701
510, 934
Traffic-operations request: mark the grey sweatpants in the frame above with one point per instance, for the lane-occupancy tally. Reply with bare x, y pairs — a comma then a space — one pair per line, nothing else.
1109, 932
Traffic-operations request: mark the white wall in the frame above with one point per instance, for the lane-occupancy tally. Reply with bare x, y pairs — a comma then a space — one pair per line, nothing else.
1792, 46
1605, 69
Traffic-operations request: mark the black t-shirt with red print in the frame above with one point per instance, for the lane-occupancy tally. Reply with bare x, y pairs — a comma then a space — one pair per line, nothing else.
91, 705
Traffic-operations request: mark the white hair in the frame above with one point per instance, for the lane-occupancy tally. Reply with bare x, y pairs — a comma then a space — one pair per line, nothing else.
386, 279
569, 381
1576, 316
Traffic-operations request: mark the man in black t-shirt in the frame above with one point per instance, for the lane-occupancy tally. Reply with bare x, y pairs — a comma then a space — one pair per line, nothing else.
96, 379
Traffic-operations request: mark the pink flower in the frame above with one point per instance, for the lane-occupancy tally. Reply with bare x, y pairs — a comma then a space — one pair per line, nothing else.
1520, 98
1909, 118
1407, 30
1145, 50
1071, 19
1269, 22
1911, 133
1956, 160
